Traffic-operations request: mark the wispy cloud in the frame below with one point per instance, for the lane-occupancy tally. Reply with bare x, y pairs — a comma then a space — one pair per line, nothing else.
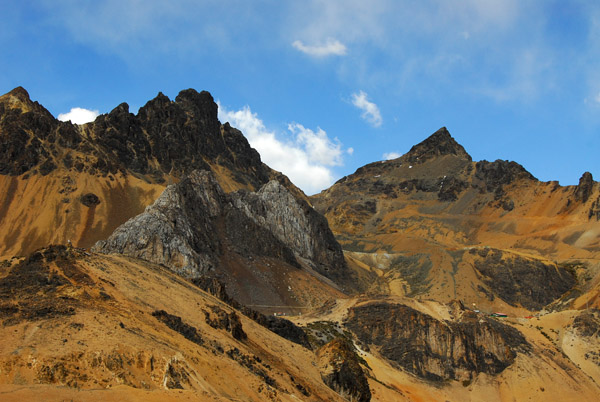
306, 156
332, 47
370, 111
78, 115
391, 155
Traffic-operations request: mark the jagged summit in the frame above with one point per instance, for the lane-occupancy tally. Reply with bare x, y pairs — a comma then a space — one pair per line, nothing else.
18, 99
165, 137
437, 144
121, 157
585, 187
20, 92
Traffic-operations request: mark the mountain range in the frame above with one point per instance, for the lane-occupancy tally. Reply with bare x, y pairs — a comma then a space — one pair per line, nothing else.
154, 256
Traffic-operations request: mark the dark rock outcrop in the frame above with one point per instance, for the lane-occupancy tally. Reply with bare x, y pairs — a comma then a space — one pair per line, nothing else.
585, 187
221, 319
282, 327
89, 199
518, 280
433, 349
176, 324
341, 370
587, 323
173, 137
493, 176
595, 210
39, 287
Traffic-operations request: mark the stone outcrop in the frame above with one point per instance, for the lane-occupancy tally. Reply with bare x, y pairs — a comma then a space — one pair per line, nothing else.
518, 280
587, 323
433, 349
282, 327
193, 224
39, 287
218, 318
294, 222
493, 176
585, 187
341, 371
186, 226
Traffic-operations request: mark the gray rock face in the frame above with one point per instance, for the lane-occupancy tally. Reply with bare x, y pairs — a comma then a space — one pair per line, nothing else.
297, 225
175, 230
193, 224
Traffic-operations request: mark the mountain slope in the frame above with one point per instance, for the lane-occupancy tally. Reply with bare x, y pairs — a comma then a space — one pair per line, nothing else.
78, 183
85, 322
422, 220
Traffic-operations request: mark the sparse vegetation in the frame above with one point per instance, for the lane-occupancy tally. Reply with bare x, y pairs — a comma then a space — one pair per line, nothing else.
414, 270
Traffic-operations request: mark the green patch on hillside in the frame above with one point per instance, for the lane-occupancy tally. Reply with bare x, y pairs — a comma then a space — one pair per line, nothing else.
415, 271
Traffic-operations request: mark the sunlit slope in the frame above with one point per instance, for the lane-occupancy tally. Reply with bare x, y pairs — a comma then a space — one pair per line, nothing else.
63, 206
113, 328
557, 358
420, 221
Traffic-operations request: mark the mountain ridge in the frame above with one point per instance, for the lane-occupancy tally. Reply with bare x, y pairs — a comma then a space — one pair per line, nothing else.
118, 156
428, 208
434, 277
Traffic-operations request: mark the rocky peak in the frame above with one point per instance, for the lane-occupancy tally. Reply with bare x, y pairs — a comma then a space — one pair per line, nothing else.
200, 104
439, 143
585, 187
19, 98
193, 226
166, 136
123, 108
19, 93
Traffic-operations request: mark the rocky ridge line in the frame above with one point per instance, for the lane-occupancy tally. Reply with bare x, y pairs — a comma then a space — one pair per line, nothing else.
165, 137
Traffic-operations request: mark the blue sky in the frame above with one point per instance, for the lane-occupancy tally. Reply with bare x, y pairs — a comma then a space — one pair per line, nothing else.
321, 88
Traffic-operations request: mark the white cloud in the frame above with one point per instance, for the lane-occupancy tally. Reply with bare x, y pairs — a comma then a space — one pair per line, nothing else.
306, 156
78, 115
317, 145
370, 111
391, 155
332, 47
